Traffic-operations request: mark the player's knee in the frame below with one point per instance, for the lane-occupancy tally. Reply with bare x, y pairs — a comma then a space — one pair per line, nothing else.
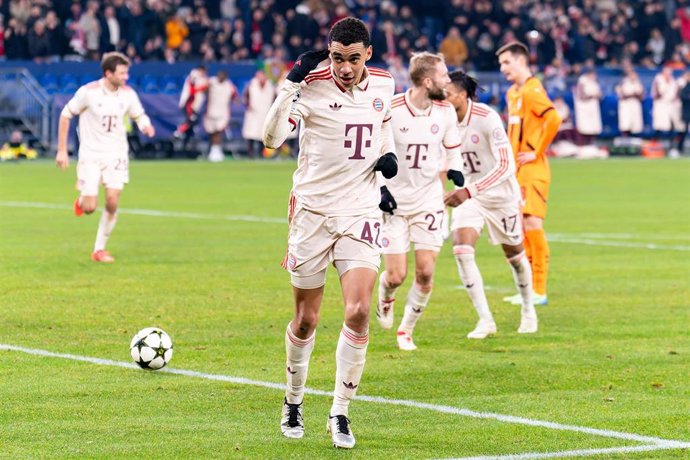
306, 322
425, 278
395, 278
88, 208
357, 312
111, 207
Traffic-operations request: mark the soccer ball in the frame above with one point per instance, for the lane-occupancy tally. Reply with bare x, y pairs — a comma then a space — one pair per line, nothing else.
151, 348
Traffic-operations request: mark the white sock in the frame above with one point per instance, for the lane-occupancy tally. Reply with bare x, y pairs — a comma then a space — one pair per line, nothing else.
472, 279
349, 359
385, 292
416, 303
522, 275
105, 227
298, 352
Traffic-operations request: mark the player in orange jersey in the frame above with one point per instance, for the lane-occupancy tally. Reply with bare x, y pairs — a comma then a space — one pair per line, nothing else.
532, 125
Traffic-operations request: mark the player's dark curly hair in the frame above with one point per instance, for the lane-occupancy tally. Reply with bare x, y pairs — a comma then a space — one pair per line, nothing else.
463, 81
348, 31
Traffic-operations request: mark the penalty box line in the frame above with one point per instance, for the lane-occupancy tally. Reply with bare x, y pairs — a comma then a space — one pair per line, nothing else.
657, 443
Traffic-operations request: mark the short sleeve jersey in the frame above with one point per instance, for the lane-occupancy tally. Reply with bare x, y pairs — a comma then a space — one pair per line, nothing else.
489, 165
527, 106
340, 141
101, 113
219, 97
419, 138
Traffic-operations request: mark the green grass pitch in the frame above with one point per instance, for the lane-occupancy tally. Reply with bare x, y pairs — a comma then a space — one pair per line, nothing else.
612, 353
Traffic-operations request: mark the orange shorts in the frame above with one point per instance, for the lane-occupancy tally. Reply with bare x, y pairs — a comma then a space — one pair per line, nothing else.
535, 195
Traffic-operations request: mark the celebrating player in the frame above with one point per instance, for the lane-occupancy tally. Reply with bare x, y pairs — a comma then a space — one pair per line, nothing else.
532, 124
491, 196
103, 151
422, 121
334, 217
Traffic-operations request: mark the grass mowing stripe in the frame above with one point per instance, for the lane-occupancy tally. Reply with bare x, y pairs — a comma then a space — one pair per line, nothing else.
375, 399
153, 213
556, 238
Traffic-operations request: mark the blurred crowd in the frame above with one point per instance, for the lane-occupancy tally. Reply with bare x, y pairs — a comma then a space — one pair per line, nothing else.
562, 34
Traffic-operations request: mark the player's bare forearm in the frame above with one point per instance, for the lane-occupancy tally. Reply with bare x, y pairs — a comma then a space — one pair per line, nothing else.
552, 121
61, 158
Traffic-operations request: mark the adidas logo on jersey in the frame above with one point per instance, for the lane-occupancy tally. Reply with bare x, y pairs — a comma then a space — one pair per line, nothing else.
404, 130
335, 106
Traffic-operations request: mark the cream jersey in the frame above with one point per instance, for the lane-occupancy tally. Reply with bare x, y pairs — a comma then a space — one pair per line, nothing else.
489, 165
665, 89
219, 96
102, 132
419, 138
340, 141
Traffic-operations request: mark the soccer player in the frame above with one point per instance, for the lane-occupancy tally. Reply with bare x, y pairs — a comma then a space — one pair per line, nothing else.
258, 97
191, 100
103, 152
221, 92
532, 125
422, 122
345, 136
491, 197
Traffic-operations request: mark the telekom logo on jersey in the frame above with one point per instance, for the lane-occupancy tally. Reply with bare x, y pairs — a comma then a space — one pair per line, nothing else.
109, 122
471, 161
359, 138
417, 155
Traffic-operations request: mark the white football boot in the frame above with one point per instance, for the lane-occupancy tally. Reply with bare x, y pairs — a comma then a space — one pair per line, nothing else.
483, 330
405, 342
338, 427
528, 324
292, 423
384, 312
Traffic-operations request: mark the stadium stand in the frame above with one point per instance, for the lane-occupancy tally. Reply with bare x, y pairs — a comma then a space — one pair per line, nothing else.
164, 41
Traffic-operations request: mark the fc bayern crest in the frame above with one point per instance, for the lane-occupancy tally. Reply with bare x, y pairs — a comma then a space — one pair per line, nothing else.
378, 104
434, 128
385, 242
475, 139
291, 262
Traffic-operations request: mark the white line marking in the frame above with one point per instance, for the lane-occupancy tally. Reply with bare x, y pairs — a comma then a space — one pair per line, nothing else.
666, 443
556, 238
578, 453
617, 244
625, 236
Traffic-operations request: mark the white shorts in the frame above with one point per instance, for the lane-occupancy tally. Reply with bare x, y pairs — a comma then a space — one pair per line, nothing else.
504, 223
215, 125
424, 229
316, 240
111, 172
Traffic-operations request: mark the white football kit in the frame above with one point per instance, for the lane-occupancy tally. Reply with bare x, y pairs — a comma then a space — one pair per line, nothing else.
334, 214
666, 108
489, 169
417, 189
103, 148
220, 94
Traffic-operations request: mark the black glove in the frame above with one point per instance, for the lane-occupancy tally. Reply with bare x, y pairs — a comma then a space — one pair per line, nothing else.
456, 176
387, 203
305, 63
388, 165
